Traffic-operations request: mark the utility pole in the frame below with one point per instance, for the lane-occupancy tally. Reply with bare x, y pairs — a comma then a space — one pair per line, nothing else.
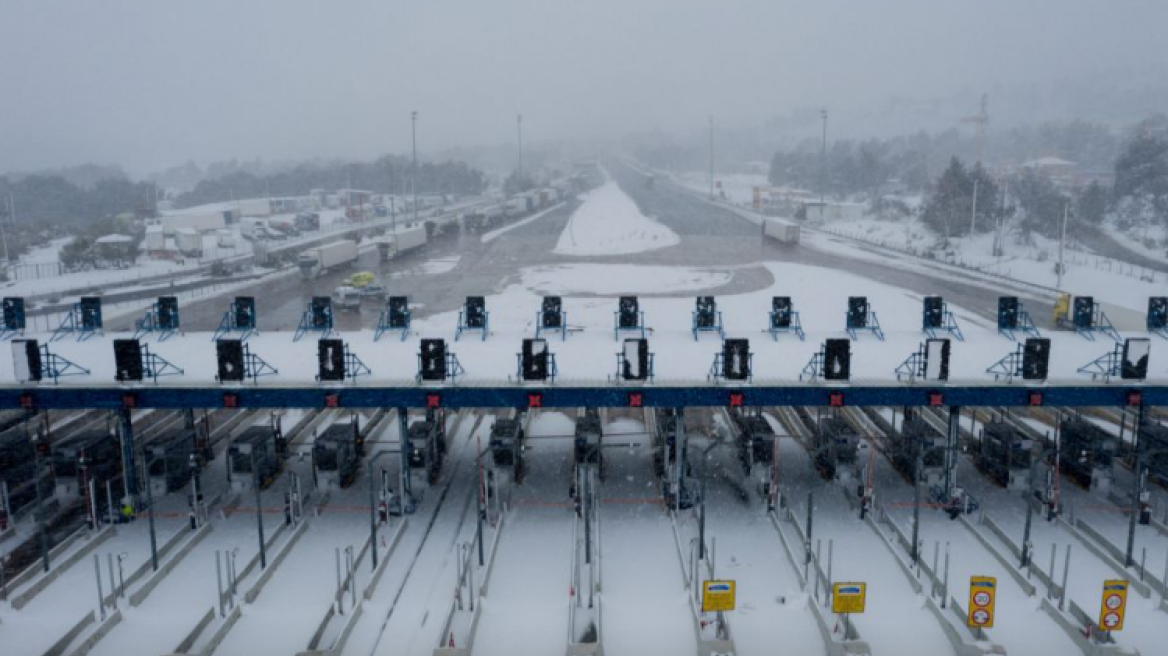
1137, 487
1062, 242
973, 214
823, 167
519, 128
711, 157
259, 510
414, 174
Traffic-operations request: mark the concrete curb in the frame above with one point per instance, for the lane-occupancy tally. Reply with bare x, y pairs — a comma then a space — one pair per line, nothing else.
59, 646
189, 641
221, 633
256, 589
21, 600
105, 627
155, 579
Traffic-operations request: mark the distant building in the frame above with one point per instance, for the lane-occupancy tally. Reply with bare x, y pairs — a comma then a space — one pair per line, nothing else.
831, 211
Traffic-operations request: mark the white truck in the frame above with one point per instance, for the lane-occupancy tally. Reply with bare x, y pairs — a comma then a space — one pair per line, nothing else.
252, 228
785, 232
155, 238
225, 239
199, 222
254, 207
403, 241
317, 261
189, 242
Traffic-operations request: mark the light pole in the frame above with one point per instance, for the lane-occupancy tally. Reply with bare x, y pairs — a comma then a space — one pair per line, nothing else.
150, 511
1026, 555
1142, 456
823, 166
1062, 241
414, 171
519, 129
40, 514
711, 157
255, 470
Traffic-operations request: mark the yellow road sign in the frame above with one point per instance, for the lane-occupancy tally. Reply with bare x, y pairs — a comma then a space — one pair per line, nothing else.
717, 596
1114, 605
983, 593
848, 597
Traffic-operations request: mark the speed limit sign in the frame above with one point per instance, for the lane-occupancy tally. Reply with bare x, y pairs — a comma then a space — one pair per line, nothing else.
1114, 605
982, 594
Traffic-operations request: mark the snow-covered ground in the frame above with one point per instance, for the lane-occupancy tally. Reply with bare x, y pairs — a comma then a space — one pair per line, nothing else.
609, 223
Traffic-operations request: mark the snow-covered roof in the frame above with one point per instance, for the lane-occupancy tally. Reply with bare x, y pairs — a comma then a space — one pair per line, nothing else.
1047, 162
114, 239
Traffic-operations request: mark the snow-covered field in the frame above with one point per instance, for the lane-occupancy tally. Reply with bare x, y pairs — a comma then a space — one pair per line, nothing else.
609, 223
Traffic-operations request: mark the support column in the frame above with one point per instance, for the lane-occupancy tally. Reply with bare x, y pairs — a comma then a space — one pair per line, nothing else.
681, 444
129, 471
952, 436
407, 488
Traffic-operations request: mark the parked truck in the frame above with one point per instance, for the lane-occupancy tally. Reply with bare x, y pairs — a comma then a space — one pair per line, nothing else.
319, 260
189, 242
252, 228
785, 232
404, 240
199, 221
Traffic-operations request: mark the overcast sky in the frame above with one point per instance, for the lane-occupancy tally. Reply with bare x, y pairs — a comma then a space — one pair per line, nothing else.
150, 83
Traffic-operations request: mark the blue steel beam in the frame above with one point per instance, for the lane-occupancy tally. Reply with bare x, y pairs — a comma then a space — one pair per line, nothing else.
556, 396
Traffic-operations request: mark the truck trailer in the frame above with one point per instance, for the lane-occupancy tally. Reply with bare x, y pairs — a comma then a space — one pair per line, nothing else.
784, 232
189, 242
403, 241
317, 261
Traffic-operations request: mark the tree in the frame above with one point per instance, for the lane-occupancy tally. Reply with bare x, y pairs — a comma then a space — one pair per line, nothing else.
1141, 179
1092, 202
77, 254
1041, 203
950, 207
517, 183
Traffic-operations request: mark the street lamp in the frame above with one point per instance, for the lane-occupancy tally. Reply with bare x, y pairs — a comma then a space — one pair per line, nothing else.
150, 509
255, 470
414, 173
519, 128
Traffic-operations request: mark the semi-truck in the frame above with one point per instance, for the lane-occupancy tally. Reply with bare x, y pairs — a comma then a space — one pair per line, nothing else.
189, 242
252, 228
320, 260
404, 240
199, 222
785, 232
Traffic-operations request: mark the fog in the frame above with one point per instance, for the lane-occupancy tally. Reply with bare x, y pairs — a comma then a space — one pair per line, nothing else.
149, 84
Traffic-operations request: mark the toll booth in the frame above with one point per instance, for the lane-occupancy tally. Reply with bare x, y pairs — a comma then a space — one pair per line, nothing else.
254, 457
1005, 455
171, 459
336, 455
